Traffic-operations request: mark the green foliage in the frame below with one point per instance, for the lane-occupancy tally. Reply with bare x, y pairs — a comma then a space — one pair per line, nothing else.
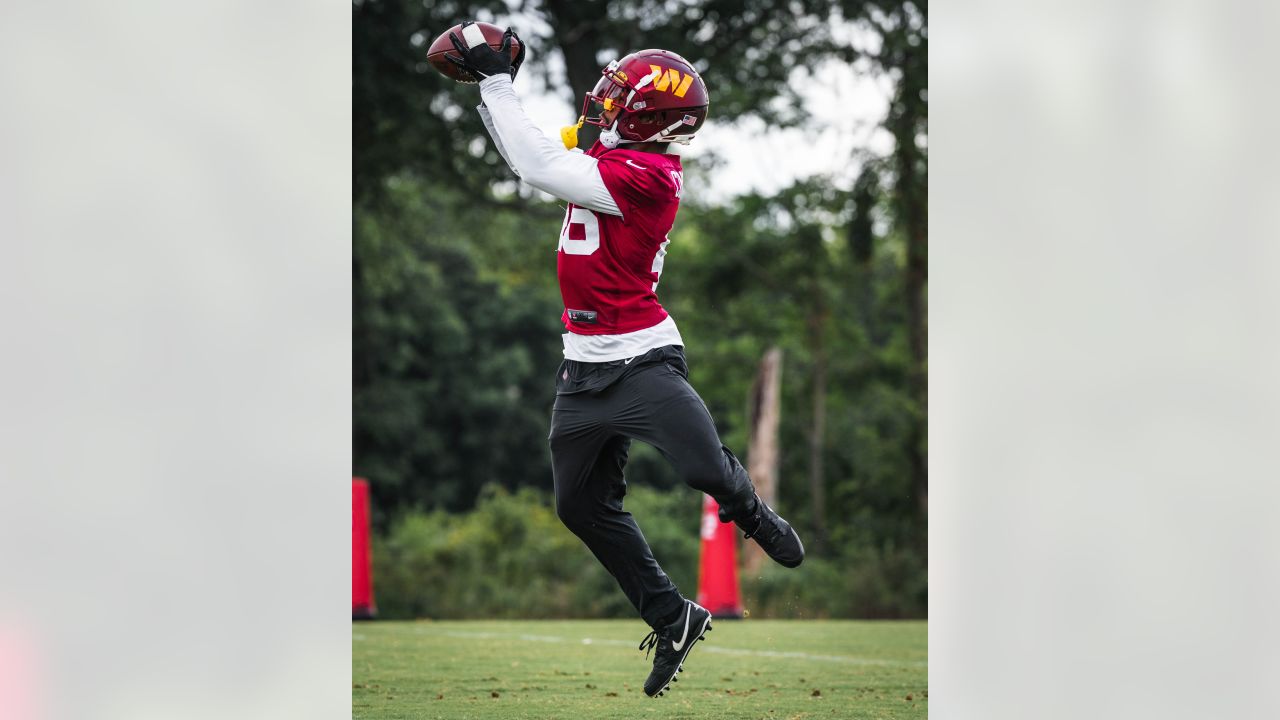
456, 349
511, 557
863, 582
507, 558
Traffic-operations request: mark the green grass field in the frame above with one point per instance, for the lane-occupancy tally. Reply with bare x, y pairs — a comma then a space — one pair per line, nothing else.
591, 669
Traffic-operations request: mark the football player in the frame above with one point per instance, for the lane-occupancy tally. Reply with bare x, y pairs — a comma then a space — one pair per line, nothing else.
624, 375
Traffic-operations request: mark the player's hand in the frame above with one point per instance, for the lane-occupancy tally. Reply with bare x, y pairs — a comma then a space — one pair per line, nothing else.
483, 61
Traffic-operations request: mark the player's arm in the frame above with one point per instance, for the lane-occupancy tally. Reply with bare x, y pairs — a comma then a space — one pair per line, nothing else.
537, 159
531, 154
487, 119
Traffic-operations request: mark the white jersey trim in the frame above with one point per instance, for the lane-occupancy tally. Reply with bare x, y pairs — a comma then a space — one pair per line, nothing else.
607, 348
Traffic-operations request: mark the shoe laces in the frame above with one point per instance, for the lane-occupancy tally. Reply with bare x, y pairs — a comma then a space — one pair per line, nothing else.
764, 524
649, 642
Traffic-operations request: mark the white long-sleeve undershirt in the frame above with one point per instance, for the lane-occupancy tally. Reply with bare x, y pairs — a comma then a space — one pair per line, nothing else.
534, 157
487, 119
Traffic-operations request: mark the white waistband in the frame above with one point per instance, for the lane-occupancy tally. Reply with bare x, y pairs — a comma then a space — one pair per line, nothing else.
606, 348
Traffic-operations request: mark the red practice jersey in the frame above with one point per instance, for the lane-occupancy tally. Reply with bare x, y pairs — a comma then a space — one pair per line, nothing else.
608, 265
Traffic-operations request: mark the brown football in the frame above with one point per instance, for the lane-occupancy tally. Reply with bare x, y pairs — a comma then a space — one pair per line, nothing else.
442, 45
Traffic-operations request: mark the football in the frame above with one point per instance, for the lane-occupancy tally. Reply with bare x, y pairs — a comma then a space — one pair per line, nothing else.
442, 45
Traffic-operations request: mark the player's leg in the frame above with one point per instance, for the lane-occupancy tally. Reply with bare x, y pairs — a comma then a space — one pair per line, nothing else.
587, 464
665, 411
589, 493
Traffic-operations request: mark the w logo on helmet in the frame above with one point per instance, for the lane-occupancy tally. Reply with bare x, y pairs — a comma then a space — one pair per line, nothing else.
670, 78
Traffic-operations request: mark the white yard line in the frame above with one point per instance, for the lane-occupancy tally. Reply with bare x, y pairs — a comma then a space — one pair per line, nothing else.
848, 660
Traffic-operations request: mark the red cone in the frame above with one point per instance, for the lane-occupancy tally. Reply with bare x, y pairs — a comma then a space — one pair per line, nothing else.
718, 569
362, 606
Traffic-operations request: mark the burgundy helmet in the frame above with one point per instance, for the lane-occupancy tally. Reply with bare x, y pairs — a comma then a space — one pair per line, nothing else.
660, 97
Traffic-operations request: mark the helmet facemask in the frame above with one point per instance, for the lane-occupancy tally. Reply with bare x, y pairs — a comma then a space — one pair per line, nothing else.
612, 91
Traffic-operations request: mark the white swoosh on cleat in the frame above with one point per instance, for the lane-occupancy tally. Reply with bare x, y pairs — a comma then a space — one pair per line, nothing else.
678, 646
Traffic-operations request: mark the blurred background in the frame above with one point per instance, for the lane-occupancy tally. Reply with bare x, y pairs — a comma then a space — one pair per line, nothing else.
802, 230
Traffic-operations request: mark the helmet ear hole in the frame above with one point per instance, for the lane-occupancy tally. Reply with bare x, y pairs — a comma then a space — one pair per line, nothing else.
643, 120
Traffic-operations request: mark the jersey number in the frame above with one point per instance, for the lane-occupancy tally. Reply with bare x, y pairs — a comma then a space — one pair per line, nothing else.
581, 232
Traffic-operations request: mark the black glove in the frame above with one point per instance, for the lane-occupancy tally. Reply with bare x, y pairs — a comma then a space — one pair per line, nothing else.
515, 64
483, 61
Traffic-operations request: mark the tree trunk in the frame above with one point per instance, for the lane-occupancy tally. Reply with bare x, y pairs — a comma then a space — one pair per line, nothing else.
764, 415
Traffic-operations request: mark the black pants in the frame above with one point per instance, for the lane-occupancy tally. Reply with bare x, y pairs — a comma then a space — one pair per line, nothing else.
600, 408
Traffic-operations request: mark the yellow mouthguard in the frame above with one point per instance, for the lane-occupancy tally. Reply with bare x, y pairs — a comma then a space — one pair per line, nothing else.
569, 134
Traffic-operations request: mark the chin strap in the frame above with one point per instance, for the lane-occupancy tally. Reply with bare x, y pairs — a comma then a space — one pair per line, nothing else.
569, 134
658, 136
610, 138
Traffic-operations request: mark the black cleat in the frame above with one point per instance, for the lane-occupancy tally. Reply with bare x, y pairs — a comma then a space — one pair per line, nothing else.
671, 645
774, 535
